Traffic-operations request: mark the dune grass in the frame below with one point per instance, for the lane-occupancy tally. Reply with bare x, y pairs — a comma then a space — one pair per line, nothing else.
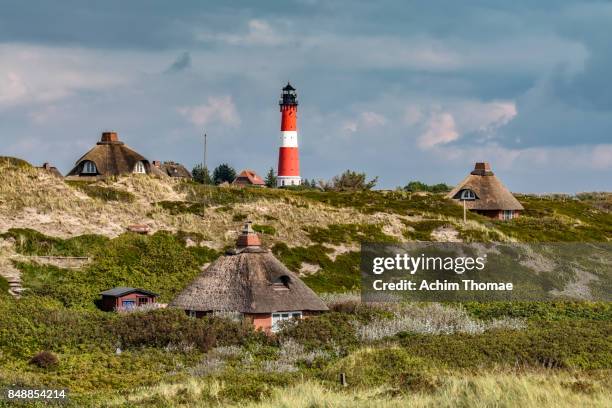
496, 389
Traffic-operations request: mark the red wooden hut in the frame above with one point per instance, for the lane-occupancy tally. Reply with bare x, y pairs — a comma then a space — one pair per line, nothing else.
124, 298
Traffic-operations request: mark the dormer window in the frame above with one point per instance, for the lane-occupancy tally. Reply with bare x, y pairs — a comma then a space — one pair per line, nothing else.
281, 283
467, 195
89, 167
139, 168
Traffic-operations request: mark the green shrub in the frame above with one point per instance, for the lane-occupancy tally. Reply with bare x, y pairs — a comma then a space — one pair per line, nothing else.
324, 331
397, 202
241, 385
561, 344
340, 275
4, 285
239, 217
33, 323
264, 229
103, 193
31, 242
421, 230
559, 310
386, 366
159, 328
346, 233
182, 207
417, 186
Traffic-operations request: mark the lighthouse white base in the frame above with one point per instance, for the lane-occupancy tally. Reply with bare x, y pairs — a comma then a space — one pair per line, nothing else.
286, 181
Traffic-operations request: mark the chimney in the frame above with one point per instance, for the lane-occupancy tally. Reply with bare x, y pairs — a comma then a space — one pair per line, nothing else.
46, 166
248, 237
110, 137
482, 169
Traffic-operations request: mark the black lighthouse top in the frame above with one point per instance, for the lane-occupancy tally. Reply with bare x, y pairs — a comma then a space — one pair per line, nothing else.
288, 96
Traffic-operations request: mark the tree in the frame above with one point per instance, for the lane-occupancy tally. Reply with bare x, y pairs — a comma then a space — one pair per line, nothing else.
349, 181
224, 173
201, 174
271, 178
415, 186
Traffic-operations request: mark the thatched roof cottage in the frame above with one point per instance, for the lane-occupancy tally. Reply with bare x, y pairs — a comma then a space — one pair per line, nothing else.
111, 157
249, 280
173, 169
484, 194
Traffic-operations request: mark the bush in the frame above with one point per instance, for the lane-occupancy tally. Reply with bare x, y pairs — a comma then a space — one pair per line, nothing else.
160, 328
350, 181
4, 285
45, 359
421, 230
377, 367
559, 310
416, 186
31, 242
264, 229
347, 233
325, 331
163, 327
567, 344
239, 217
103, 193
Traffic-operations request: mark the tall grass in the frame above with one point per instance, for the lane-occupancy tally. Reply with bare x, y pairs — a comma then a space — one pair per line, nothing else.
506, 389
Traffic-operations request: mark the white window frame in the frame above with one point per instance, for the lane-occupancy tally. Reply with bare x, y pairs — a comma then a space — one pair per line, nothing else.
508, 215
468, 195
89, 167
282, 316
139, 168
192, 313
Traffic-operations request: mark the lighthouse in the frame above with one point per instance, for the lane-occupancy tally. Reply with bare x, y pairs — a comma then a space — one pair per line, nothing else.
288, 153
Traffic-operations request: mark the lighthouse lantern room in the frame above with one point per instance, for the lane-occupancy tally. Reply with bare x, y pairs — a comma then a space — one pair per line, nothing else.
288, 154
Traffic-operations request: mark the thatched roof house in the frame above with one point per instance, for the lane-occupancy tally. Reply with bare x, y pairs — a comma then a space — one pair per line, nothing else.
249, 280
51, 169
249, 178
111, 157
173, 169
484, 194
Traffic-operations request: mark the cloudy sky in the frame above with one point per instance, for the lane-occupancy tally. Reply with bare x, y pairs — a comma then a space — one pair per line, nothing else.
403, 90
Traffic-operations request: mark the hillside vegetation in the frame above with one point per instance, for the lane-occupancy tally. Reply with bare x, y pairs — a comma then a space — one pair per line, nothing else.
422, 354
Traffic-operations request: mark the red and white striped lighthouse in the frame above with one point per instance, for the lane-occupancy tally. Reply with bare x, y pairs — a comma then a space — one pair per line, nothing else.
288, 154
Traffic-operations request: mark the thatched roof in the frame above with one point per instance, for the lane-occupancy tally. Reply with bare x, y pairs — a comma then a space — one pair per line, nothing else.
491, 193
112, 158
173, 169
248, 279
51, 169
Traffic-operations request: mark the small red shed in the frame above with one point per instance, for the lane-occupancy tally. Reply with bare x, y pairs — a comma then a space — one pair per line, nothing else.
124, 298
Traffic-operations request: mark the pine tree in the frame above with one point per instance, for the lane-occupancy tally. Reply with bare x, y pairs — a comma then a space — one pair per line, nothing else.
271, 178
224, 173
201, 174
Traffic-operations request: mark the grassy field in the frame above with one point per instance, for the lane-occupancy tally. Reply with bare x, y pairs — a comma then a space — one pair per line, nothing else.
418, 354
